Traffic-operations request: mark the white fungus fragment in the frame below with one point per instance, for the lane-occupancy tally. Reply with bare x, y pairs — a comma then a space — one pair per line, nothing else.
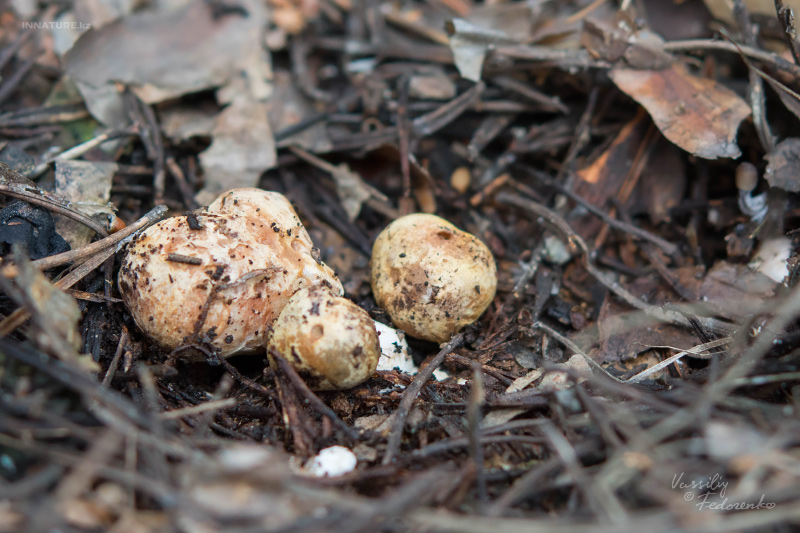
331, 462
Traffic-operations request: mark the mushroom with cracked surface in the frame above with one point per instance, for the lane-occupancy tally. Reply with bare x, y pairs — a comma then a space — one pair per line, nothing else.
330, 341
221, 276
430, 277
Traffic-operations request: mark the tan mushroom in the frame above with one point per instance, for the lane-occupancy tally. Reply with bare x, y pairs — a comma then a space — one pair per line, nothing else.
432, 278
221, 276
331, 341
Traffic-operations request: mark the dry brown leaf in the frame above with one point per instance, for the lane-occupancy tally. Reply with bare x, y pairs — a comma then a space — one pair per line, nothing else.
487, 26
783, 168
602, 179
731, 290
699, 115
289, 106
242, 148
663, 184
55, 313
723, 9
87, 185
163, 54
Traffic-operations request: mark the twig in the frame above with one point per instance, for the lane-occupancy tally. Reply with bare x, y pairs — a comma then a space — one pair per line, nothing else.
410, 394
43, 115
244, 380
80, 149
186, 190
298, 383
19, 316
786, 18
75, 380
436, 120
12, 184
146, 126
575, 348
477, 401
213, 405
668, 247
552, 103
577, 243
153, 216
11, 50
786, 312
403, 132
12, 82
112, 368
583, 134
696, 351
760, 55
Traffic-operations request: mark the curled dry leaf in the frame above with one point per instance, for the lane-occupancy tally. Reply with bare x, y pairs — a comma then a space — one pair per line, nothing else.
87, 185
783, 165
469, 42
698, 114
54, 312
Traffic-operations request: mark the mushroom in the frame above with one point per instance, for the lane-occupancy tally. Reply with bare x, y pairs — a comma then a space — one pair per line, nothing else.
430, 277
331, 342
746, 178
221, 276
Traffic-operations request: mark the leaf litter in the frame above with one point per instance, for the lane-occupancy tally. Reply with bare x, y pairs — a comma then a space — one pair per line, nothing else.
637, 368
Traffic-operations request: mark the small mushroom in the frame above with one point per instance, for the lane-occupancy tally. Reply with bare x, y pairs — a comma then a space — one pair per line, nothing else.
746, 182
432, 278
220, 277
331, 341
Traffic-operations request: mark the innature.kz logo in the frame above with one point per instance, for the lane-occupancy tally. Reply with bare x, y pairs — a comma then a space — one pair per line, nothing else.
63, 25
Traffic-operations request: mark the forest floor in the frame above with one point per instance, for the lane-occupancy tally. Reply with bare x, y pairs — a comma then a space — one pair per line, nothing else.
632, 167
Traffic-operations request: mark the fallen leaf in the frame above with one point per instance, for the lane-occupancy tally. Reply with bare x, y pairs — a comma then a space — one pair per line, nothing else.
55, 313
699, 115
163, 54
181, 122
603, 178
663, 185
471, 39
242, 148
287, 107
433, 85
87, 186
783, 165
723, 9
730, 290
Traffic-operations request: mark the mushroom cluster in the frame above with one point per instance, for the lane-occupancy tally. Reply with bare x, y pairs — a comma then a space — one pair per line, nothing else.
242, 275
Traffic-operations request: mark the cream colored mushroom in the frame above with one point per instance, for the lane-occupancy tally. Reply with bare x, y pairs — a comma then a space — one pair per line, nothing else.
331, 341
432, 278
221, 276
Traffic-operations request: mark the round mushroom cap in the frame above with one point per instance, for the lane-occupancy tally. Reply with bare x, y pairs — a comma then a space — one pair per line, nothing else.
223, 282
250, 199
331, 341
430, 277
